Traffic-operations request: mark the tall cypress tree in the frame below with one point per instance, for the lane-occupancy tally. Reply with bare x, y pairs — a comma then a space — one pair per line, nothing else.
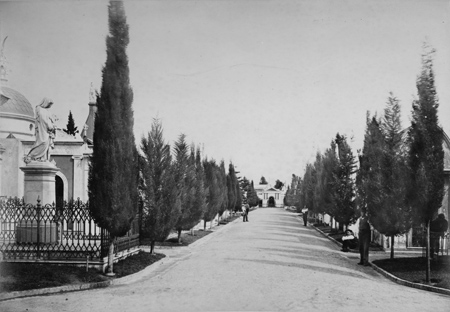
325, 180
223, 188
231, 187
198, 205
70, 127
213, 194
238, 204
186, 179
161, 205
344, 187
307, 188
394, 217
113, 174
426, 154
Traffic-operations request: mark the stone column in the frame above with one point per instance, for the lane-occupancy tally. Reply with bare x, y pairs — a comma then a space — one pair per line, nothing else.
2, 150
78, 173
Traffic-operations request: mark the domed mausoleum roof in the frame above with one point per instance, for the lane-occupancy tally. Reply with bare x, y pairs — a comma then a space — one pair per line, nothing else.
13, 102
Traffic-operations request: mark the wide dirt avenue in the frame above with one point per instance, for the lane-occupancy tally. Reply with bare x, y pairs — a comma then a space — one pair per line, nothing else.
271, 263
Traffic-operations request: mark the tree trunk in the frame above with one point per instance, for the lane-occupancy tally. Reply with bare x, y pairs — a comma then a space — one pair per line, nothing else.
110, 271
204, 225
152, 246
428, 252
179, 236
392, 246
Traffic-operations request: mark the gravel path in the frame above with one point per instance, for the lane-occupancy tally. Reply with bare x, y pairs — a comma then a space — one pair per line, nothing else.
272, 263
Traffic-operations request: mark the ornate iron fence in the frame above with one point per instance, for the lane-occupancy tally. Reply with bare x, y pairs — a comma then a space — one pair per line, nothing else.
50, 232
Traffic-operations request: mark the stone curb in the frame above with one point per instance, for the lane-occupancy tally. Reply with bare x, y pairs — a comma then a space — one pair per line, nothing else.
170, 260
395, 278
410, 284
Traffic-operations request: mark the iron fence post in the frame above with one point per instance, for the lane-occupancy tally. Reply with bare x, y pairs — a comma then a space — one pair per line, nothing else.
38, 210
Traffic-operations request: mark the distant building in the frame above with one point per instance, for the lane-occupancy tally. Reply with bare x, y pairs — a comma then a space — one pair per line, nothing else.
270, 196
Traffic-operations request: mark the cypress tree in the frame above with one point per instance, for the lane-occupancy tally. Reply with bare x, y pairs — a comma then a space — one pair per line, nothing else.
344, 186
231, 187
213, 192
161, 205
70, 127
426, 154
252, 196
223, 188
199, 204
307, 188
392, 217
238, 204
326, 179
113, 174
186, 180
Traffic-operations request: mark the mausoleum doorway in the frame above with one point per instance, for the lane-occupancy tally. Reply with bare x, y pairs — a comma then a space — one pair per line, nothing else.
271, 202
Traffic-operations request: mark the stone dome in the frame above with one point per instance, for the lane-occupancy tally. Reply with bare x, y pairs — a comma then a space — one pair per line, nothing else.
14, 102
16, 115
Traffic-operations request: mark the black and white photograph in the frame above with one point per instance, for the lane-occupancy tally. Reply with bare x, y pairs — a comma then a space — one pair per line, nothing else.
224, 155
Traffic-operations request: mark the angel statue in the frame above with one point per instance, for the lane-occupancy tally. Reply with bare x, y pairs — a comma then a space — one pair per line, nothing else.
45, 130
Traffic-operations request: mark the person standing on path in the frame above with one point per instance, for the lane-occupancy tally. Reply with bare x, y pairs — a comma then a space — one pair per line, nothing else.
364, 238
305, 216
245, 212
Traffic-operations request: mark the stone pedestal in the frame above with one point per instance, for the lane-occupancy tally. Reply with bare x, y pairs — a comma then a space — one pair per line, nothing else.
39, 182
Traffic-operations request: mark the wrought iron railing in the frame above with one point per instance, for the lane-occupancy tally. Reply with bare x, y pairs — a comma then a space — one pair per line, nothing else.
67, 232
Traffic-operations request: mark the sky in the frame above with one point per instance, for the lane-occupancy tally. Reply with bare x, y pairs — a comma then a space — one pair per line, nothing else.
262, 84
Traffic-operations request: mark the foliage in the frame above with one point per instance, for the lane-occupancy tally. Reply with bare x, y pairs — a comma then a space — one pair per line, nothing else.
70, 127
293, 192
263, 181
161, 205
383, 170
426, 154
222, 181
279, 185
213, 195
231, 187
223, 186
238, 204
201, 189
252, 196
326, 174
113, 172
307, 188
186, 181
344, 186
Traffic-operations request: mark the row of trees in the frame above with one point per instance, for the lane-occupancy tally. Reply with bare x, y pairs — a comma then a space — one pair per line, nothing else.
176, 188
177, 193
400, 178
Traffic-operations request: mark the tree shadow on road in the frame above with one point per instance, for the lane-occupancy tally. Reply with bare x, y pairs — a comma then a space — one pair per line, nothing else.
334, 270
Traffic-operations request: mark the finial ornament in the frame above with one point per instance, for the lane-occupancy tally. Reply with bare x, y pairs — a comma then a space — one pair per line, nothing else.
92, 94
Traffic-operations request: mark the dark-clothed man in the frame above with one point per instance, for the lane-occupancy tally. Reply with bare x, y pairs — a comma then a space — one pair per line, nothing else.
245, 213
364, 238
305, 216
